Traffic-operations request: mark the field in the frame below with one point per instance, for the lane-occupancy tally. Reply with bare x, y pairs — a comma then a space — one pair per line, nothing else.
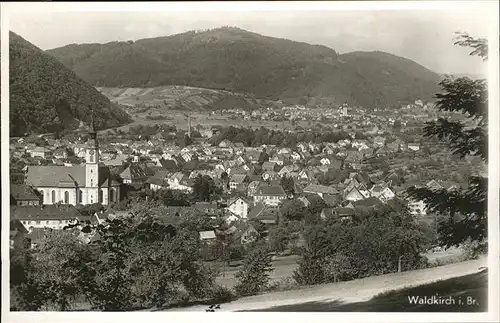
170, 104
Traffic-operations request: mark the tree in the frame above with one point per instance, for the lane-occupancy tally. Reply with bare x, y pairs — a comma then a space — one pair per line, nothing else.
224, 178
465, 208
279, 237
204, 189
371, 245
25, 291
254, 276
61, 267
263, 157
288, 185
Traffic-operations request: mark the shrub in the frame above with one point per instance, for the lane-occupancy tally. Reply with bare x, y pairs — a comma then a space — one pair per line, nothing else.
221, 294
310, 270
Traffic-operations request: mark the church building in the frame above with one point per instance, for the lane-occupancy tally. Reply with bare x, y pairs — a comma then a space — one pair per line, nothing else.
80, 184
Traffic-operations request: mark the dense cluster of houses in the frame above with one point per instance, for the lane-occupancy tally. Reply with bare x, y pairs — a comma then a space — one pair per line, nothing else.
253, 190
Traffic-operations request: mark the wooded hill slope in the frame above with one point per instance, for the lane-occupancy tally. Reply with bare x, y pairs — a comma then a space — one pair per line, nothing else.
237, 60
46, 96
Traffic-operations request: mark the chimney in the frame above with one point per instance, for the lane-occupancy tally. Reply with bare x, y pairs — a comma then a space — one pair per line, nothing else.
189, 124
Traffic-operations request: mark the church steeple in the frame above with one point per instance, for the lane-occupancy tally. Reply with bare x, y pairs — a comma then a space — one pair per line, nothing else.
92, 142
92, 158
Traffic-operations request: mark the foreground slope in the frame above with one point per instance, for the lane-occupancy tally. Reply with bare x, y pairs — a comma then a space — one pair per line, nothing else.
45, 96
327, 296
237, 60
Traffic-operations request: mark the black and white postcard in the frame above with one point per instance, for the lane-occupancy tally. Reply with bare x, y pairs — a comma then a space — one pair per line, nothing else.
180, 161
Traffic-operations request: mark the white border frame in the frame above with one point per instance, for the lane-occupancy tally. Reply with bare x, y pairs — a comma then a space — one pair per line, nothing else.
491, 10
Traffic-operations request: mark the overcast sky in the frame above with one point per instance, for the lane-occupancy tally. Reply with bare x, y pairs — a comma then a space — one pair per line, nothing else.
423, 36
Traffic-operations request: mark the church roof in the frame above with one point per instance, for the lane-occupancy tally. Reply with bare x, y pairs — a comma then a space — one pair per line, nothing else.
61, 176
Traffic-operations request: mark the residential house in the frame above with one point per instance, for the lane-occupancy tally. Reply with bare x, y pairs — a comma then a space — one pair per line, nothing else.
207, 236
306, 175
230, 218
253, 156
253, 187
365, 204
239, 206
61, 153
225, 144
278, 160
413, 146
296, 156
309, 198
179, 181
269, 195
158, 180
267, 214
245, 233
417, 207
354, 194
343, 214
206, 208
23, 195
41, 152
134, 174
320, 190
287, 170
238, 182
269, 166
270, 176
46, 216
382, 191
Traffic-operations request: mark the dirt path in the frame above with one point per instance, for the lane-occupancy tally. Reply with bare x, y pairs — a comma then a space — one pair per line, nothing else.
351, 291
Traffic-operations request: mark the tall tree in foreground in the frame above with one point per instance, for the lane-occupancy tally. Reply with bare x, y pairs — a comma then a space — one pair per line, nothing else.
465, 209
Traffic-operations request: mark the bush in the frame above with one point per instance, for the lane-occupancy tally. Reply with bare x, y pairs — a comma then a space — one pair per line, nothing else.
254, 276
221, 294
310, 270
472, 249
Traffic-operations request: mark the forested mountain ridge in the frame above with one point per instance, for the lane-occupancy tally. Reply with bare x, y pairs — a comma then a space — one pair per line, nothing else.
237, 60
45, 96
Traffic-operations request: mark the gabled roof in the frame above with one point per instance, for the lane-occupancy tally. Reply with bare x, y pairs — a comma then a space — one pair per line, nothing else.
168, 164
268, 190
23, 192
47, 212
133, 172
368, 202
234, 199
62, 176
314, 188
269, 165
263, 212
17, 226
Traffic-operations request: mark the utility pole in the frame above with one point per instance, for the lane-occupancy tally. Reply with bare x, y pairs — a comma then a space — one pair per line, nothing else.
399, 264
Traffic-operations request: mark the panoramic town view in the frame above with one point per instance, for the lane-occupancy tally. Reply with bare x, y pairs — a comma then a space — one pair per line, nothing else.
229, 168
